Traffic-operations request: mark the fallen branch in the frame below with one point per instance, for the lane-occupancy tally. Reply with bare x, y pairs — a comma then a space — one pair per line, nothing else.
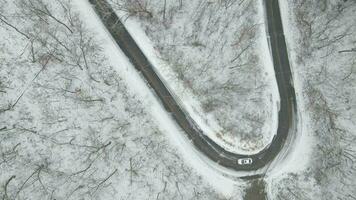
38, 73
107, 178
2, 18
5, 109
348, 50
24, 183
5, 188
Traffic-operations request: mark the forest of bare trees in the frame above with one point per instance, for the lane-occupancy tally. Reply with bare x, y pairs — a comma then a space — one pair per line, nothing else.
70, 128
217, 58
324, 56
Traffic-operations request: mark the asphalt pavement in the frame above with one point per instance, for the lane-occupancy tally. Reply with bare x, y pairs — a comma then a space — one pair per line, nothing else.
288, 106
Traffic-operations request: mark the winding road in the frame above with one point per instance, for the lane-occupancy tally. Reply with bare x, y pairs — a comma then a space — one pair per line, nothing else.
287, 112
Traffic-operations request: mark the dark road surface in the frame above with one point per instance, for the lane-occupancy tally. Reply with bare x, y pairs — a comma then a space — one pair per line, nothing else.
204, 144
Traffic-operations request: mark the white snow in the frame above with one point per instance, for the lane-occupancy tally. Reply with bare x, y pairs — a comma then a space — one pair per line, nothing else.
299, 151
316, 33
223, 184
296, 158
206, 121
220, 177
266, 56
61, 131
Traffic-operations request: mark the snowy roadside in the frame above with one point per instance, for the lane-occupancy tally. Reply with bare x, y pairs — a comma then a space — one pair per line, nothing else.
156, 109
192, 103
298, 155
90, 128
316, 35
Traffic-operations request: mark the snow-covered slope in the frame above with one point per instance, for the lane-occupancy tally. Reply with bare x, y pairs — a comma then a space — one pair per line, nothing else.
215, 58
321, 38
73, 126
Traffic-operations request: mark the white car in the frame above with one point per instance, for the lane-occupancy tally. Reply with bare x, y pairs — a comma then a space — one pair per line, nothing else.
244, 161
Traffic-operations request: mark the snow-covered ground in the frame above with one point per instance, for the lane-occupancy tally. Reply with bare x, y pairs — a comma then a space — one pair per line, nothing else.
320, 36
214, 57
78, 122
